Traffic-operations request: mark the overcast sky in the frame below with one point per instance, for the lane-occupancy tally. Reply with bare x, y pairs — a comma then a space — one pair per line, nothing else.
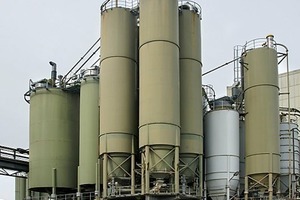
33, 32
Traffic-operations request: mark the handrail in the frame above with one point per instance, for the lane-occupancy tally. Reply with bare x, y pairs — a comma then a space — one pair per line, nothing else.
260, 42
190, 5
14, 154
109, 4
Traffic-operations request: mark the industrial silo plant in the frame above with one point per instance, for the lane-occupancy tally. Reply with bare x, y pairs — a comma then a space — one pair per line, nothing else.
221, 133
289, 151
260, 74
54, 129
132, 128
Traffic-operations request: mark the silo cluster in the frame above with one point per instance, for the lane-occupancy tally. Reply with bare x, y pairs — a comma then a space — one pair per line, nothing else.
141, 125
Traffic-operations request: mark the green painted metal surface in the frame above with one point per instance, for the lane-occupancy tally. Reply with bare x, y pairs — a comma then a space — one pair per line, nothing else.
89, 130
191, 112
54, 121
262, 113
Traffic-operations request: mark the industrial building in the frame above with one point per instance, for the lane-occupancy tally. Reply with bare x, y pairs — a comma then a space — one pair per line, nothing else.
139, 123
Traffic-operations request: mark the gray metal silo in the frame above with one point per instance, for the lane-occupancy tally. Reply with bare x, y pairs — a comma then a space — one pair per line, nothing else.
191, 109
159, 109
118, 95
259, 62
289, 151
221, 131
88, 128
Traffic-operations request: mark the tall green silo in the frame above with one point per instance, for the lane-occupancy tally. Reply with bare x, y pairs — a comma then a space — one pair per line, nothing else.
89, 128
191, 114
118, 95
259, 61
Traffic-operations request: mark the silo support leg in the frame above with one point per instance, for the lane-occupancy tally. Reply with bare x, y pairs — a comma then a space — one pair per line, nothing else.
105, 175
132, 174
147, 175
246, 188
270, 186
201, 175
176, 167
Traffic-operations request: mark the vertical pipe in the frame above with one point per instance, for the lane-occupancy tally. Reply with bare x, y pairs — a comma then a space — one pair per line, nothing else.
143, 172
271, 178
147, 175
97, 181
270, 186
78, 184
246, 188
132, 165
176, 165
228, 179
201, 186
53, 195
289, 120
104, 175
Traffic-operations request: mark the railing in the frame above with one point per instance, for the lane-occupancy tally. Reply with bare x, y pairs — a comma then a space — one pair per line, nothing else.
14, 154
190, 5
109, 4
260, 42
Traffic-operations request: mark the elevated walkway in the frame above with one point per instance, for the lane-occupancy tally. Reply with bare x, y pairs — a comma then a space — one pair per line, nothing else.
14, 162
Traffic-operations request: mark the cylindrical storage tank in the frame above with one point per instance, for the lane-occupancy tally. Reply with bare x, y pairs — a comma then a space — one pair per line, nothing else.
262, 114
89, 128
118, 92
20, 188
242, 156
159, 110
54, 129
288, 159
191, 110
221, 136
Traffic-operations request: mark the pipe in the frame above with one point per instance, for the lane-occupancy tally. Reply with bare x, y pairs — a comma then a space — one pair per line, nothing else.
53, 195
105, 175
201, 175
132, 166
227, 185
147, 175
97, 180
78, 184
246, 188
176, 168
64, 78
53, 73
221, 66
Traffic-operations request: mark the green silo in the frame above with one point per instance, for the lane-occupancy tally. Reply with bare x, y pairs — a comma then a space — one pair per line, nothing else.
261, 92
89, 128
54, 121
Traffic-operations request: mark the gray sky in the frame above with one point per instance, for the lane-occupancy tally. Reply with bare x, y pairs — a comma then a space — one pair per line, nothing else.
33, 32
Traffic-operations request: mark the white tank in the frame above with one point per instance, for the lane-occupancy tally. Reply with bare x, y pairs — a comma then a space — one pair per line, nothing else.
288, 159
221, 136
